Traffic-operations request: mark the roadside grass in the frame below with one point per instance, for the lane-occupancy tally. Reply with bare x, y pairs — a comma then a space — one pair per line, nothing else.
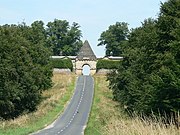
53, 104
106, 117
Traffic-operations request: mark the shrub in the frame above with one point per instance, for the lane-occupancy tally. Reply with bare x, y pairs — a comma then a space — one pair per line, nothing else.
62, 63
107, 64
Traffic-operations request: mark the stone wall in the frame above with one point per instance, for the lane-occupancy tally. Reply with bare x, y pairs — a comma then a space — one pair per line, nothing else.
103, 71
62, 71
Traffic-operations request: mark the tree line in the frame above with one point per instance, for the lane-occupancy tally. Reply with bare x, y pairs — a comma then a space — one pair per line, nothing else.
148, 79
25, 65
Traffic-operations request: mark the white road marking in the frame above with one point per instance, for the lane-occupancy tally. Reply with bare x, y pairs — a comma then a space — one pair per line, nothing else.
76, 111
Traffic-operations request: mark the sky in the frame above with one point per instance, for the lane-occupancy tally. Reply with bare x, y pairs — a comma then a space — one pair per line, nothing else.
94, 16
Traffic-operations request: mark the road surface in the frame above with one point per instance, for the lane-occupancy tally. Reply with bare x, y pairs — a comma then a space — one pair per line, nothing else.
74, 119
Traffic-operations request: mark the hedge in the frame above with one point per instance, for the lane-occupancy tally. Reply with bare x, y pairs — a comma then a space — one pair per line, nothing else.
62, 63
107, 64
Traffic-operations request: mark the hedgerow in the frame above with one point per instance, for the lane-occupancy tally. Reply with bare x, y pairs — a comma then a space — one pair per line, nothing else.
62, 63
107, 64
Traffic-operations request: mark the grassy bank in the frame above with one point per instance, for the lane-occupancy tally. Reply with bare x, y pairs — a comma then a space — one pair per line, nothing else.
54, 102
106, 118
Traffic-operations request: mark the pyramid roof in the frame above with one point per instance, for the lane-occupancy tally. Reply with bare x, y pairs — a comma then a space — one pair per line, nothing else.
86, 52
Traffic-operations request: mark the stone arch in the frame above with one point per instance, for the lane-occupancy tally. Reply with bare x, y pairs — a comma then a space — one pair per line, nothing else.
81, 63
86, 64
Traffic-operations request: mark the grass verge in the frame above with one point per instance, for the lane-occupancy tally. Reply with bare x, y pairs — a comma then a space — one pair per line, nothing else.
106, 117
55, 100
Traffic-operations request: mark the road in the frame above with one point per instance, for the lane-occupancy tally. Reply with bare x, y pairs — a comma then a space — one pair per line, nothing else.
74, 119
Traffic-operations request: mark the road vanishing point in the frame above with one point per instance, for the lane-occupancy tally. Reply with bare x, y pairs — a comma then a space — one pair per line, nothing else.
75, 117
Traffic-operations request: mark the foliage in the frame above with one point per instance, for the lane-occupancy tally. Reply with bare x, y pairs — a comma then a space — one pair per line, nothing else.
107, 118
129, 89
107, 64
62, 63
148, 80
114, 38
62, 38
53, 104
24, 69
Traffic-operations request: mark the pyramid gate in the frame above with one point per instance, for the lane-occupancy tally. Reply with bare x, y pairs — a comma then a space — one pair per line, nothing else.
85, 56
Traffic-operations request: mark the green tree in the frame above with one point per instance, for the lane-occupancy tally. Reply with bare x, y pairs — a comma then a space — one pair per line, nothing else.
114, 38
64, 39
168, 50
39, 51
38, 32
130, 84
149, 77
24, 70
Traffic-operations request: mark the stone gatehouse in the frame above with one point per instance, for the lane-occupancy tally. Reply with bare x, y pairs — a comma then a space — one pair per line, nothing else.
85, 56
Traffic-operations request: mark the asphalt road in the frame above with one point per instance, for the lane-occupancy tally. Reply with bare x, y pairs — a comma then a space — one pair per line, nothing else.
74, 119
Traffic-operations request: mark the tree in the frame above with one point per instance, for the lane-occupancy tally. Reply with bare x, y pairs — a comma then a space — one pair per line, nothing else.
62, 38
114, 38
38, 32
149, 77
168, 49
24, 70
39, 51
130, 84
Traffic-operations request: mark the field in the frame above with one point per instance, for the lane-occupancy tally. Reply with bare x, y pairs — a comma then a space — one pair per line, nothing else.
54, 102
107, 118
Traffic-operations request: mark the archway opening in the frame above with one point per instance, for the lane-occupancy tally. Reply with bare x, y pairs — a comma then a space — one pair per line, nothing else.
86, 70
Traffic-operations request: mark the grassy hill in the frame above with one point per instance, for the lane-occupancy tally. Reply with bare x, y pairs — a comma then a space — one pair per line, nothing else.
107, 118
